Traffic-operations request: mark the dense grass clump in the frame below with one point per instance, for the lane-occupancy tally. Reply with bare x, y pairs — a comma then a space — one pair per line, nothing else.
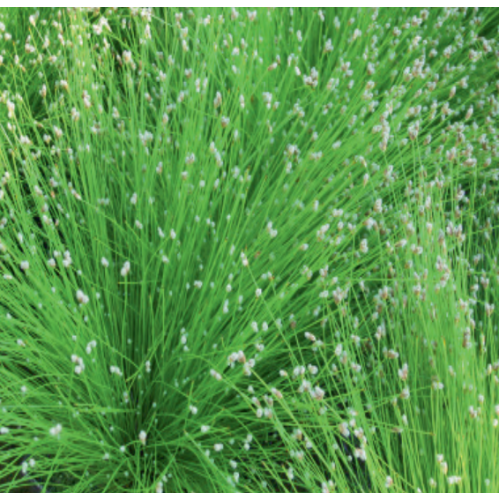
249, 250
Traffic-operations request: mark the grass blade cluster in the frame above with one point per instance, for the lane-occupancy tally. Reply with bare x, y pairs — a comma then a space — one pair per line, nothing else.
249, 250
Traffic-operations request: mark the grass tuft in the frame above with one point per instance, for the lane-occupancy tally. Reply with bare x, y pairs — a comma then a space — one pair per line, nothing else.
249, 250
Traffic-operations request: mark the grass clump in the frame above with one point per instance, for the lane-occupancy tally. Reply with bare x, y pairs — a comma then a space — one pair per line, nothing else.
249, 250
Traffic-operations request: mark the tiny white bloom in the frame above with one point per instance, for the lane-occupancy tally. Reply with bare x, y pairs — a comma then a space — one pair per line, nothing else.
125, 269
81, 297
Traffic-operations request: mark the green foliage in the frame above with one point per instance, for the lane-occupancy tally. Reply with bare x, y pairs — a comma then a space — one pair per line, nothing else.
249, 250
